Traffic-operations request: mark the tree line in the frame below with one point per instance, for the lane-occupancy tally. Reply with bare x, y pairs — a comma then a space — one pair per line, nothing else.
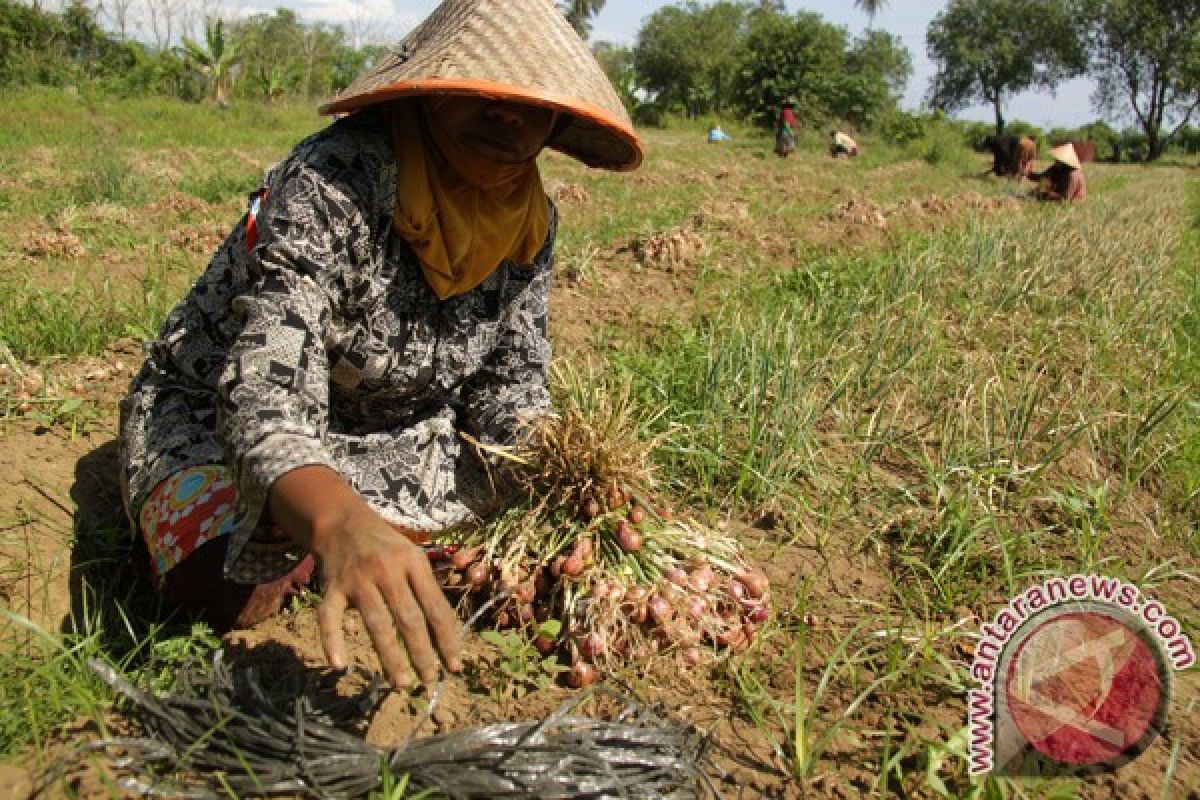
1143, 56
737, 58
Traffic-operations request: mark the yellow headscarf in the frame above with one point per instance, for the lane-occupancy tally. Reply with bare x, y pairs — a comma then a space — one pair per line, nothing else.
462, 214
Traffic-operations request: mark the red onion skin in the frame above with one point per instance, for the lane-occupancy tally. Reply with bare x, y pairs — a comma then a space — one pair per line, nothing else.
525, 592
544, 645
755, 581
465, 557
556, 566
573, 566
637, 515
477, 574
591, 509
677, 576
736, 590
697, 607
629, 540
691, 656
758, 614
660, 610
592, 646
583, 548
582, 674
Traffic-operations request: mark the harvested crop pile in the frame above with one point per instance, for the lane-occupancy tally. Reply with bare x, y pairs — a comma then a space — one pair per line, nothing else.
58, 243
592, 550
669, 250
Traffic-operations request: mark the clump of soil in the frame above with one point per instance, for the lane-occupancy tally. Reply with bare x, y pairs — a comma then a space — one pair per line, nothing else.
58, 243
671, 251
180, 203
859, 212
201, 239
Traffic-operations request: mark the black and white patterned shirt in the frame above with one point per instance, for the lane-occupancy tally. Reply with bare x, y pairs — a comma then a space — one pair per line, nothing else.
324, 345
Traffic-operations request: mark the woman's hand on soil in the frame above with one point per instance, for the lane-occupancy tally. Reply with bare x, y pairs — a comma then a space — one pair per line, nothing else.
367, 565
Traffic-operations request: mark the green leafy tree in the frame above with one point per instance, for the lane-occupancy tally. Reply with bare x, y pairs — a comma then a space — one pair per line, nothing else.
987, 50
1146, 63
802, 56
214, 60
272, 47
580, 12
882, 55
686, 54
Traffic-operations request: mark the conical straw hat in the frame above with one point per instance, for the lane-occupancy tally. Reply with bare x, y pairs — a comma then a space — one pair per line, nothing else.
518, 50
1066, 154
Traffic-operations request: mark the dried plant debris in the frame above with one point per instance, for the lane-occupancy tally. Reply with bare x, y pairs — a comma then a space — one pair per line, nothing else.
220, 733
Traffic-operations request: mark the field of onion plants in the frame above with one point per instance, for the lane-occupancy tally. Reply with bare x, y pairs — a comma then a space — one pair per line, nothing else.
816, 421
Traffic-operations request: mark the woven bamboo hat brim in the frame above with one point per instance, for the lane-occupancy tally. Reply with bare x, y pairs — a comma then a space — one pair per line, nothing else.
1066, 154
517, 50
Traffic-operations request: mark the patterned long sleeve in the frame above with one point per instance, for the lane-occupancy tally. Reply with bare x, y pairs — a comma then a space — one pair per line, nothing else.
273, 407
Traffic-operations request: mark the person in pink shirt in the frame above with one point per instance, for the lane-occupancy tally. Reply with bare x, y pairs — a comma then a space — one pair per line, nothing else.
785, 129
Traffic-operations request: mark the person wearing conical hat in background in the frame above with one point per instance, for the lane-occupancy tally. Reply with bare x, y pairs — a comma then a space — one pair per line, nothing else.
386, 289
785, 128
1063, 180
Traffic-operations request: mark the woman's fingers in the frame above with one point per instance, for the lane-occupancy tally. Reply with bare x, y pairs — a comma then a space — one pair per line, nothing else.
378, 619
330, 615
440, 618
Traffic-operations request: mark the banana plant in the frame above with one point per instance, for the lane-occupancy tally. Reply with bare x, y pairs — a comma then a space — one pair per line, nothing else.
215, 60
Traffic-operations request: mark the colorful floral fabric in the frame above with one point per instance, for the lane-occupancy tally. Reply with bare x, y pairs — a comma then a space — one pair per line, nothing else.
193, 506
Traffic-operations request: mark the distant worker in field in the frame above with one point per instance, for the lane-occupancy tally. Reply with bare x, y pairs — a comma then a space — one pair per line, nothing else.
715, 134
301, 408
785, 128
1023, 157
841, 144
1063, 180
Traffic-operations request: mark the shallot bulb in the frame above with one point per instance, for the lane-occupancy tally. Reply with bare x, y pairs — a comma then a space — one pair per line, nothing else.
660, 610
628, 539
477, 574
465, 557
591, 509
573, 566
677, 576
582, 674
755, 582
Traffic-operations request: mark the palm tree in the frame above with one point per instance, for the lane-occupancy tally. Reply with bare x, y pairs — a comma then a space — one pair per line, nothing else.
579, 13
215, 59
872, 7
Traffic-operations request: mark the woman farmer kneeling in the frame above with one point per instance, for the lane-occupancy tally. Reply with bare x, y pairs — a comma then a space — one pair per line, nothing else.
1063, 180
388, 287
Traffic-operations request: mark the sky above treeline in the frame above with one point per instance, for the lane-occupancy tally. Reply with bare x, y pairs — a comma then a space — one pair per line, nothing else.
620, 21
